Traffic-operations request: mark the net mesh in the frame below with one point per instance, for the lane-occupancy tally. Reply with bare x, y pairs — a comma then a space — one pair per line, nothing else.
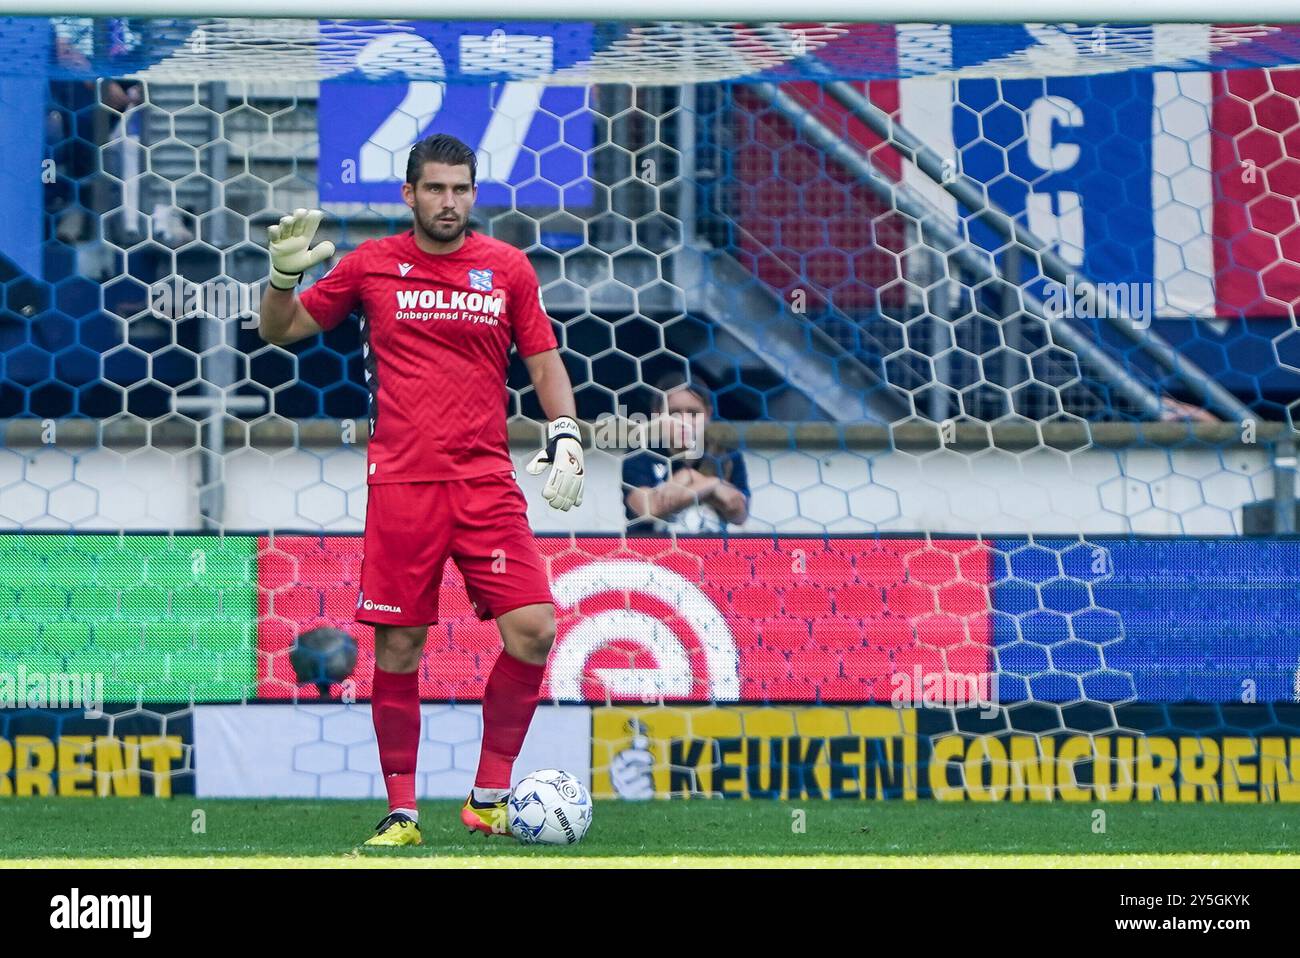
661, 53
975, 473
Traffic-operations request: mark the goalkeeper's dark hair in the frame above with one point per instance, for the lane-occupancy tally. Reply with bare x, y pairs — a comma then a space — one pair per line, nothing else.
440, 148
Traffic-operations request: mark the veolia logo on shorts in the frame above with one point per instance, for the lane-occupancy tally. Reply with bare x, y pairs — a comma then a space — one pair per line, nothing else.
369, 606
673, 677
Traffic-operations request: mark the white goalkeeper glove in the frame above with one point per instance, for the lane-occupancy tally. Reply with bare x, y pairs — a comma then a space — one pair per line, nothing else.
289, 242
563, 453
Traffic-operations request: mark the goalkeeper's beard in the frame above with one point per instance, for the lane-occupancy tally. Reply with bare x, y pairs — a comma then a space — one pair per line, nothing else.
440, 231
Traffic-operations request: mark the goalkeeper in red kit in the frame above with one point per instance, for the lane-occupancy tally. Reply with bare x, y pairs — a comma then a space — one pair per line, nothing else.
441, 306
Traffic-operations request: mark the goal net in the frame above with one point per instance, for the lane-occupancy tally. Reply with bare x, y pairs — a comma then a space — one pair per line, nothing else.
995, 326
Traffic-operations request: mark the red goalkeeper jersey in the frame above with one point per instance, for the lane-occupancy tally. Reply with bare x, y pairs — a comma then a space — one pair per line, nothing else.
436, 332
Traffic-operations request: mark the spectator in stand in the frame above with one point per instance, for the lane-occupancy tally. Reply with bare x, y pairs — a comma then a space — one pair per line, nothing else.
690, 483
78, 125
1175, 411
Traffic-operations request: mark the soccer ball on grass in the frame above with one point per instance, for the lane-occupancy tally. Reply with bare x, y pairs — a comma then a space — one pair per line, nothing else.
549, 807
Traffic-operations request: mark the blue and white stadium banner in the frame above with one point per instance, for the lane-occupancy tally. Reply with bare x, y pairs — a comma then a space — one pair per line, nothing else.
532, 141
1160, 179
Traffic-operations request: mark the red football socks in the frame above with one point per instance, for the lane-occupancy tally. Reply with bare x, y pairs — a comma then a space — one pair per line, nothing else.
395, 706
509, 702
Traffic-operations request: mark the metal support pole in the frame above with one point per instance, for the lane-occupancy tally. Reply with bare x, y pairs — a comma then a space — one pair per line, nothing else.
1008, 322
221, 374
1284, 473
686, 120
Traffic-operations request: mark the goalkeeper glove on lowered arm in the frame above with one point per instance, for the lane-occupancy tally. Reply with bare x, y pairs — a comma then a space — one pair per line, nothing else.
290, 240
563, 453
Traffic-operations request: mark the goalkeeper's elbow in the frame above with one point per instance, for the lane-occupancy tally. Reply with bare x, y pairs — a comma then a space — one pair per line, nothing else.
275, 320
274, 335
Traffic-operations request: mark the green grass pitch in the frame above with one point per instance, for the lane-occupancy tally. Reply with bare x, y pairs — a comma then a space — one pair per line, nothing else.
716, 833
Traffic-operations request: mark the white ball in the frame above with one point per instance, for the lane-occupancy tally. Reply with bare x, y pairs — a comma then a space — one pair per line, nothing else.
549, 807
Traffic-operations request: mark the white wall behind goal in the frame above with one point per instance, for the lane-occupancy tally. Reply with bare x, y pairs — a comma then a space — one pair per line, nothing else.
1039, 491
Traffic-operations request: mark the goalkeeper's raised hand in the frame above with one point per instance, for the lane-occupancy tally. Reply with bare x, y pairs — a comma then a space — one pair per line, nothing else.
290, 247
563, 453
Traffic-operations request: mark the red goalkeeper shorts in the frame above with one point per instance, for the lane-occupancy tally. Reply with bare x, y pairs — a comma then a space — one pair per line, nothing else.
412, 528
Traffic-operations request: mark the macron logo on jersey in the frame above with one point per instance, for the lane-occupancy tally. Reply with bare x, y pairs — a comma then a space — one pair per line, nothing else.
405, 268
